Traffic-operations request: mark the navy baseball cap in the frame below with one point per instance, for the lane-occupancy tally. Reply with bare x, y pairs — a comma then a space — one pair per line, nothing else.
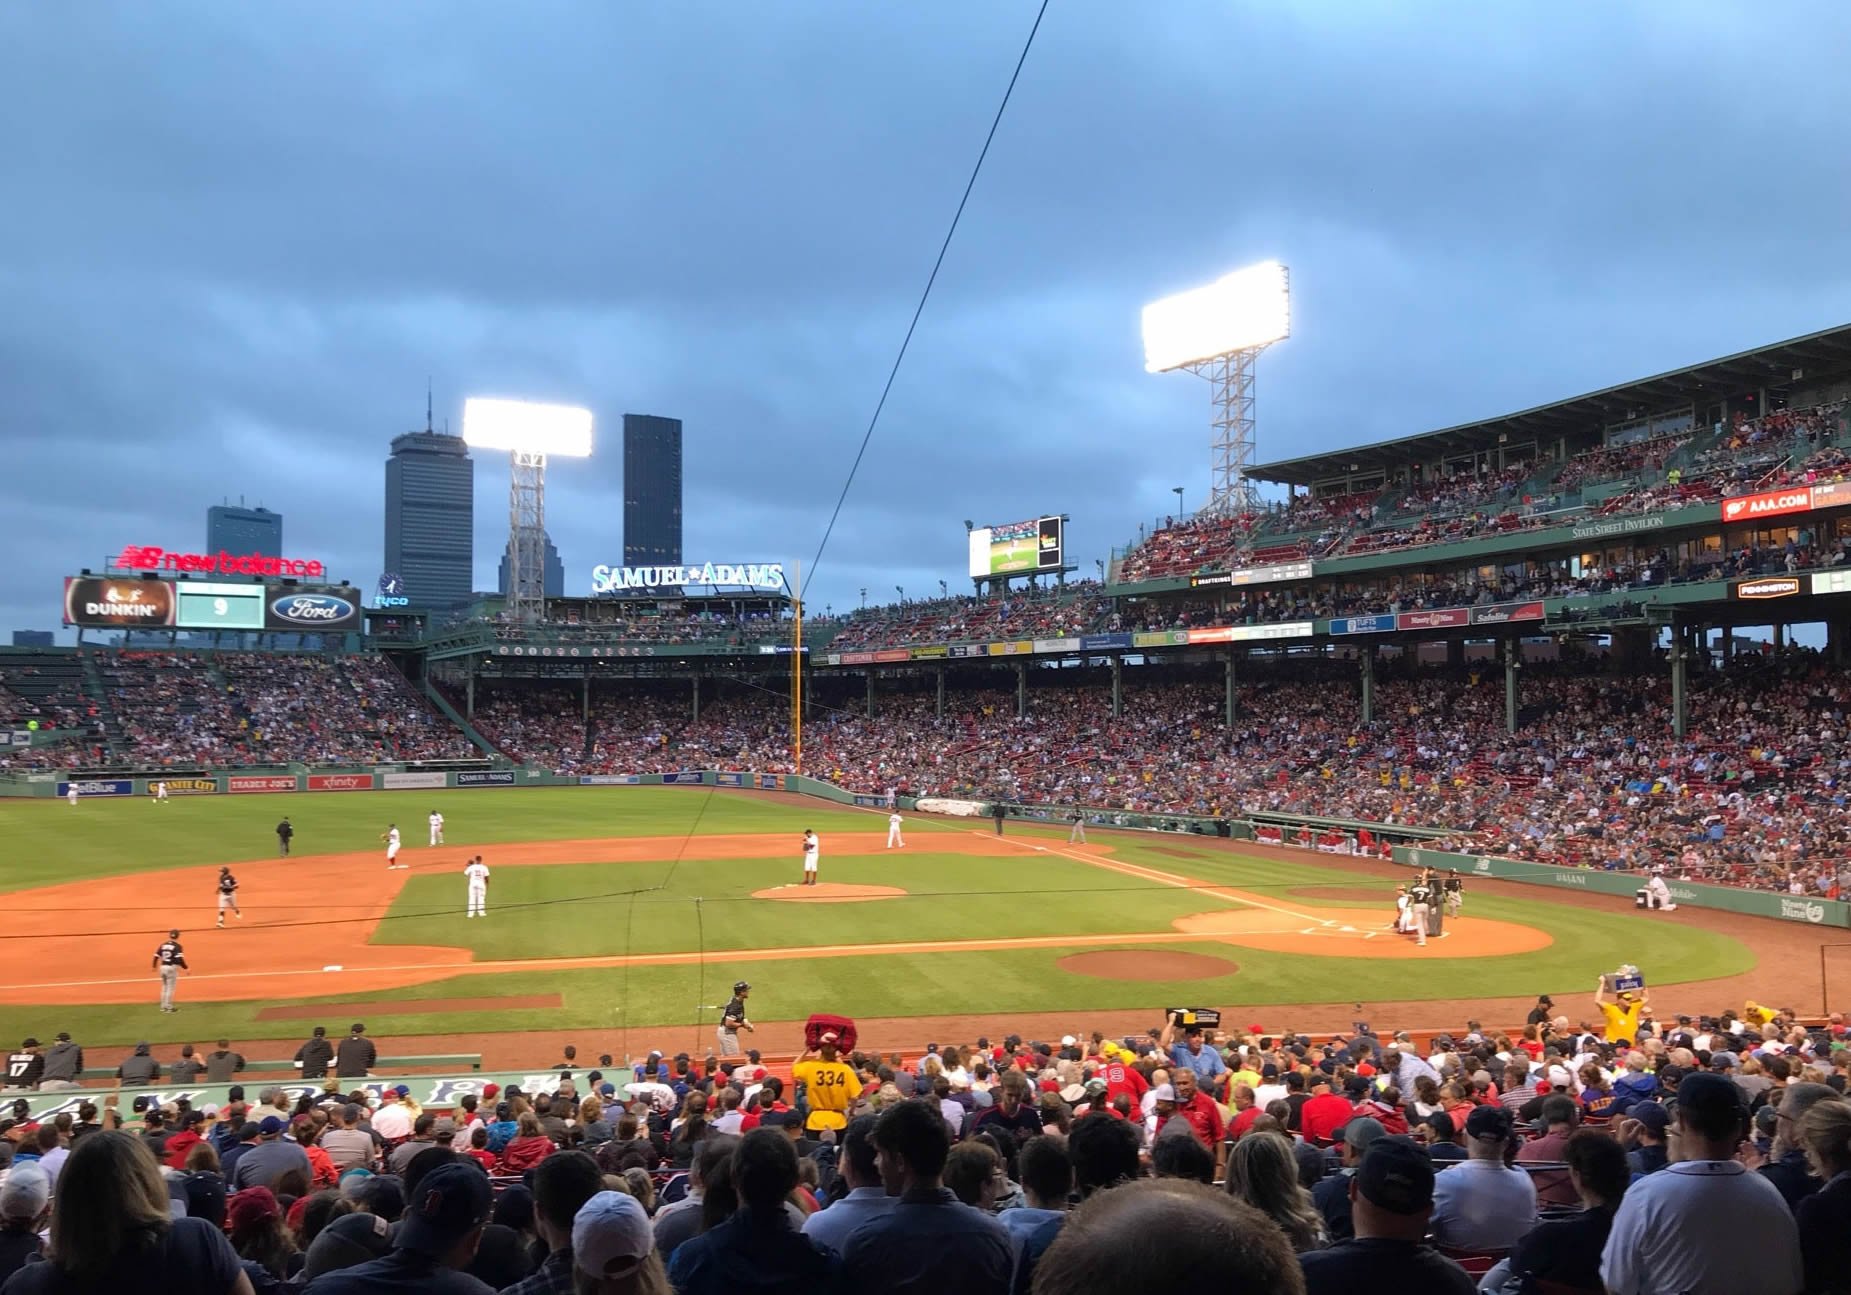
451, 1201
271, 1126
1396, 1175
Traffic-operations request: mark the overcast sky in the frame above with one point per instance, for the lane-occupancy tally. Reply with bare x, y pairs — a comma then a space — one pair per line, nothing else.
236, 238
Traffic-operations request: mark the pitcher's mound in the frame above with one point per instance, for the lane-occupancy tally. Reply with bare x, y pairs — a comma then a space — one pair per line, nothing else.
1146, 964
828, 892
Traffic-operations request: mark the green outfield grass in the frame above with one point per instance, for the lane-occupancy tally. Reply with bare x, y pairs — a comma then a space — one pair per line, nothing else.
698, 903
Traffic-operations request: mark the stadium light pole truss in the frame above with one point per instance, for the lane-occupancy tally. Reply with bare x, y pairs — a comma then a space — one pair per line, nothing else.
1217, 332
530, 433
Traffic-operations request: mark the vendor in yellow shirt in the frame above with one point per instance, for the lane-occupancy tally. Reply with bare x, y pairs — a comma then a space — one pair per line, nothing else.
830, 1086
1623, 1015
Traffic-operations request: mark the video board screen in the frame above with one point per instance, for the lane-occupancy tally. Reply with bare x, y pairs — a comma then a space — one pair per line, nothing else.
1017, 548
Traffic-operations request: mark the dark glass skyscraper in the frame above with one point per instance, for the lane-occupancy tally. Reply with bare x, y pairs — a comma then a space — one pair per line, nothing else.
651, 491
430, 517
553, 582
237, 530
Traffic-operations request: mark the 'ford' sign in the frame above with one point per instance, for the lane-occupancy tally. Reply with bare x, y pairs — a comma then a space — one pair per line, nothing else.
315, 610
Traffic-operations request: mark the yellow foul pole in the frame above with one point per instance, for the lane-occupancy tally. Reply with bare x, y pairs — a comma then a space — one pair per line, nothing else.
797, 675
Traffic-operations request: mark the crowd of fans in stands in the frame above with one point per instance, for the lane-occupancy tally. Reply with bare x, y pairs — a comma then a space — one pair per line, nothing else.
1753, 454
195, 710
1754, 796
1626, 1153
1052, 611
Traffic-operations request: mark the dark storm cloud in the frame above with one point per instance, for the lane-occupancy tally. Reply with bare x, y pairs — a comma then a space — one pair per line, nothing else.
236, 239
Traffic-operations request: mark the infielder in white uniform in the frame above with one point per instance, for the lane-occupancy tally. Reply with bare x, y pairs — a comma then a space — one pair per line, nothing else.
436, 828
391, 840
477, 874
893, 830
811, 848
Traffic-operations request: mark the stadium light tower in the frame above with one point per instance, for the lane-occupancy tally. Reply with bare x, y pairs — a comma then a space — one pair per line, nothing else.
530, 433
1218, 332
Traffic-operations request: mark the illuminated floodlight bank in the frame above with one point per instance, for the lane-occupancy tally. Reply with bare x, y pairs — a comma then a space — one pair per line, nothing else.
1241, 311
525, 427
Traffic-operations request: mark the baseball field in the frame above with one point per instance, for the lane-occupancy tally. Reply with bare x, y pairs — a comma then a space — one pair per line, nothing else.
621, 916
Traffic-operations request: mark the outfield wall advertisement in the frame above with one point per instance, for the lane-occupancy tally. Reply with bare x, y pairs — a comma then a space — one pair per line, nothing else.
1698, 894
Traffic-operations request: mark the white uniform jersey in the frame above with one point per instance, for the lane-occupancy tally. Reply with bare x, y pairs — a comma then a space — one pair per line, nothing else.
392, 839
812, 848
477, 873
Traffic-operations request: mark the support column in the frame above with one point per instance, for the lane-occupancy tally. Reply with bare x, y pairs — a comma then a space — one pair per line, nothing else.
469, 689
941, 692
584, 699
870, 694
1511, 654
1368, 660
1229, 719
1780, 637
697, 698
1680, 681
1021, 690
1455, 652
1118, 687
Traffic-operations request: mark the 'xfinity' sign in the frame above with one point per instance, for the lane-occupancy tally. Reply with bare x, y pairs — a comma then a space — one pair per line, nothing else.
756, 575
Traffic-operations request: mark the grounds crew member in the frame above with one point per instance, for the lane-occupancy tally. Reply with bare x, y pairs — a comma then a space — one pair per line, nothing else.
312, 1058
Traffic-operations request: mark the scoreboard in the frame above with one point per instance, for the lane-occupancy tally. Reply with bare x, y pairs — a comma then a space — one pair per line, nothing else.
220, 606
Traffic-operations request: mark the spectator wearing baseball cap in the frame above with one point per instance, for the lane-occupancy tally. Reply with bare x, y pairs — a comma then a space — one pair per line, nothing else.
25, 1204
1682, 1229
347, 1242
436, 1238
1481, 1203
268, 1159
1391, 1201
1645, 1137
612, 1246
1332, 1195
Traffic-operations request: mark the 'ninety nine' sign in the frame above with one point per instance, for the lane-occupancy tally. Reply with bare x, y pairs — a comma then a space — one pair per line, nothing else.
755, 575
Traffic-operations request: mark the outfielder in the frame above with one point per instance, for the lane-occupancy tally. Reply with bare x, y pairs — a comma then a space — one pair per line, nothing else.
160, 793
733, 1019
477, 874
811, 848
170, 960
228, 896
894, 839
70, 796
391, 840
436, 828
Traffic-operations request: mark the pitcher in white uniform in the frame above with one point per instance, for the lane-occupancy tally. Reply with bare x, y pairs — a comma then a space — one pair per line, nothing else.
811, 849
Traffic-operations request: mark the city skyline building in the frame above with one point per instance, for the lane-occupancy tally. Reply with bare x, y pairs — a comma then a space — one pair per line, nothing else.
651, 490
235, 529
554, 580
431, 516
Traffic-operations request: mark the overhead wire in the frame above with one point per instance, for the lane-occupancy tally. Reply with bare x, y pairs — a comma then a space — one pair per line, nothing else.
918, 310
